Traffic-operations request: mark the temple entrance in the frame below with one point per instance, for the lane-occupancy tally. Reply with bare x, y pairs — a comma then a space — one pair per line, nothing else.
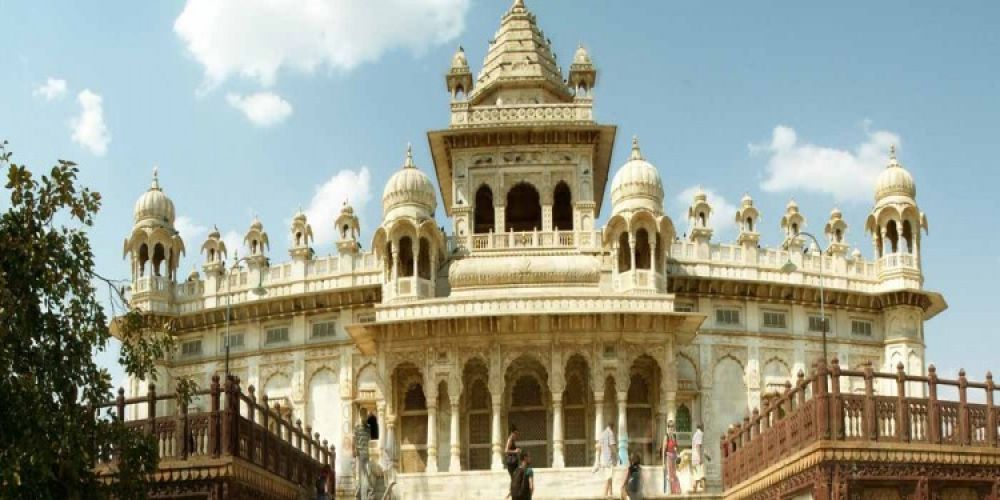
643, 389
412, 404
528, 403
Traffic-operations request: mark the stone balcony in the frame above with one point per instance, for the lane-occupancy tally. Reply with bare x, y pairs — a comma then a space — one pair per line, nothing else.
521, 240
817, 441
218, 449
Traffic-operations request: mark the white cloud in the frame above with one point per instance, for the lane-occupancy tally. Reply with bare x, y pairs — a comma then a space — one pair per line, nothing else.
89, 129
263, 109
846, 175
53, 89
353, 186
192, 233
256, 39
723, 218
234, 245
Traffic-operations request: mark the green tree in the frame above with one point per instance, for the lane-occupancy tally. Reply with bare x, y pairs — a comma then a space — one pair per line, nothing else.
51, 325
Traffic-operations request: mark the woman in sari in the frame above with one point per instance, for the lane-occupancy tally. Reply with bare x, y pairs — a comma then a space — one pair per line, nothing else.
670, 464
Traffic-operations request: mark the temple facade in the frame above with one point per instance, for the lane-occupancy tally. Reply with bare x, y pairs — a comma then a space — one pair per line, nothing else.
525, 310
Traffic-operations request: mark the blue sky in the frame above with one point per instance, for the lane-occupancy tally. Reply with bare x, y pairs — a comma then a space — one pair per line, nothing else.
259, 107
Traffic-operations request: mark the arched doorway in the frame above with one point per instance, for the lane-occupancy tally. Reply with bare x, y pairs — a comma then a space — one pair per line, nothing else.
523, 211
412, 404
477, 403
562, 208
643, 391
483, 218
528, 402
577, 414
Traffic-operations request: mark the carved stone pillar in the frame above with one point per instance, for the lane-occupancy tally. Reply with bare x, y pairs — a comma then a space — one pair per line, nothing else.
432, 454
622, 427
496, 436
455, 464
598, 423
558, 461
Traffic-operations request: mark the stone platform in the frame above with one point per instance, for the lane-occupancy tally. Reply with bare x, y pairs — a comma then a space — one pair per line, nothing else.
569, 483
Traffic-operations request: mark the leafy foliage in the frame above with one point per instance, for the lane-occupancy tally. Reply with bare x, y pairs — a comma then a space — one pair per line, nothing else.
51, 325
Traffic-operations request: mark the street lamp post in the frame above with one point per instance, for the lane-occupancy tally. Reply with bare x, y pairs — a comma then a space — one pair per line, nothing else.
791, 267
258, 291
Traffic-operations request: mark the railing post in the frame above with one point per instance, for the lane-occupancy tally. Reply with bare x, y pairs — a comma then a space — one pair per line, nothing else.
181, 435
902, 410
870, 423
991, 413
298, 434
227, 418
965, 434
120, 404
317, 450
822, 400
213, 420
151, 412
933, 413
836, 412
265, 415
252, 428
326, 452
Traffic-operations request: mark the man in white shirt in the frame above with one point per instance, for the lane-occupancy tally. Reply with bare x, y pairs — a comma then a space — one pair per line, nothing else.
698, 460
606, 461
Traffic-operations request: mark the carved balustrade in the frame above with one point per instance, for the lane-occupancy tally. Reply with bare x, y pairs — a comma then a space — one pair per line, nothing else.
833, 404
236, 425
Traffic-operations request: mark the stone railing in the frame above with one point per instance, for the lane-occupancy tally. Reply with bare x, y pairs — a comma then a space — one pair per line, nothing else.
463, 115
816, 410
513, 240
235, 426
152, 284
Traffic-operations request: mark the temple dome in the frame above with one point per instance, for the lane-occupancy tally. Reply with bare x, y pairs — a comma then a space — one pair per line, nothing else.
409, 187
581, 56
459, 61
637, 184
154, 205
895, 180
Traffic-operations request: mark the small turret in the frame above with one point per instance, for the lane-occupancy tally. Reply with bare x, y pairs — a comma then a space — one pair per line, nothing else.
699, 217
257, 244
459, 77
348, 228
214, 250
793, 223
836, 233
582, 73
748, 220
302, 236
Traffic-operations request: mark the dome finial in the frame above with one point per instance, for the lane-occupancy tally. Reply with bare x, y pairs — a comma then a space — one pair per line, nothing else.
893, 162
156, 178
409, 157
636, 153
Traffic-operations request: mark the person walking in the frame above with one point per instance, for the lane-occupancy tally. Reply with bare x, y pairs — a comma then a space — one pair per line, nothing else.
322, 484
522, 481
606, 461
698, 460
632, 486
511, 451
669, 453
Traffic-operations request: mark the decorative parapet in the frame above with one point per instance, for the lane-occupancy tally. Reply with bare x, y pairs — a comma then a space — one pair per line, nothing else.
463, 115
478, 306
583, 240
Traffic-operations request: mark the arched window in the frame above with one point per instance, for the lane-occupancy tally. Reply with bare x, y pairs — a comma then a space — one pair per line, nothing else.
483, 217
838, 236
795, 228
298, 238
143, 259
211, 255
908, 236
892, 235
523, 211
683, 423
424, 260
158, 256
388, 259
642, 260
562, 208
624, 253
405, 257
372, 423
749, 224
702, 219
658, 257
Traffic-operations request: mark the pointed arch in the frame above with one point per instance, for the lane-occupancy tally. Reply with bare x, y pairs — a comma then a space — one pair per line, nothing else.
562, 207
523, 210
484, 211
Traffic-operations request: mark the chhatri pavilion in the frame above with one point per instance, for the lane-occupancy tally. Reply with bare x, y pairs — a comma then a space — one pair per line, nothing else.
524, 310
